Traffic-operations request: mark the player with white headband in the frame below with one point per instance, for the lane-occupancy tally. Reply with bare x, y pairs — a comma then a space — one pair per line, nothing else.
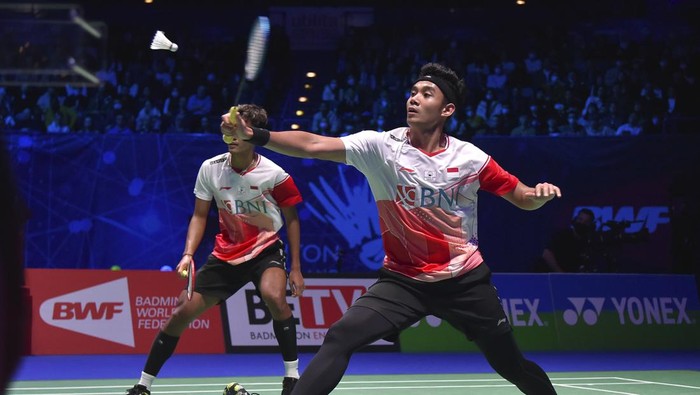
425, 185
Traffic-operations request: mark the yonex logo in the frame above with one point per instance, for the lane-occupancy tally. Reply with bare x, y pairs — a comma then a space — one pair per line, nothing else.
522, 311
631, 310
652, 310
588, 311
431, 320
102, 311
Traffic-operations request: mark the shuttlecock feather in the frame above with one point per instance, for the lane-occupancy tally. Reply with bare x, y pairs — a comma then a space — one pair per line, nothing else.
162, 42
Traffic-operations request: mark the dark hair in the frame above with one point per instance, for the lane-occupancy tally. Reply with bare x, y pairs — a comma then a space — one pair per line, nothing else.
454, 90
253, 114
588, 212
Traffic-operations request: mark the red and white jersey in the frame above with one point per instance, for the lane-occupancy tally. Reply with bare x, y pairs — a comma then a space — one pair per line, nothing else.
248, 202
427, 203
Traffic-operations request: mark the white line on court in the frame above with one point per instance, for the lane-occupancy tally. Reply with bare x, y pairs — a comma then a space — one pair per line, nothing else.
268, 387
659, 383
594, 389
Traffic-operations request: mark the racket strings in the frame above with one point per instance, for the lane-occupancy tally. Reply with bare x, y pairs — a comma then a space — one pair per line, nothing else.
256, 47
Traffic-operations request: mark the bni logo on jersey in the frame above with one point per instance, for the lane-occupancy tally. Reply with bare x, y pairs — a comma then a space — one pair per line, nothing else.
410, 196
102, 311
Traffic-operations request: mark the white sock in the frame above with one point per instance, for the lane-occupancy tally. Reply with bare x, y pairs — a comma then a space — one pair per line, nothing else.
146, 380
291, 369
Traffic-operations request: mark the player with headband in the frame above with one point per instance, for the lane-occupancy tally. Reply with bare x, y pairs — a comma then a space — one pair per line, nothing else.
425, 185
253, 196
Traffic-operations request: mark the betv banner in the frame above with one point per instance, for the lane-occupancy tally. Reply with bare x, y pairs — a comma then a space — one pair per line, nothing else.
249, 323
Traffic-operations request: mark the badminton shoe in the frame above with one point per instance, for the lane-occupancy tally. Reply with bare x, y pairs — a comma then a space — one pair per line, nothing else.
138, 390
236, 389
288, 385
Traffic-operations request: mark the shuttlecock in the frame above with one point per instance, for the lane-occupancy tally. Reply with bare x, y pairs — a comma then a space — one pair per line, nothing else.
162, 42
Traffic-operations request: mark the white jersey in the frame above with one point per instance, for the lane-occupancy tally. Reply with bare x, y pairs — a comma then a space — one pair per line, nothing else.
248, 203
427, 202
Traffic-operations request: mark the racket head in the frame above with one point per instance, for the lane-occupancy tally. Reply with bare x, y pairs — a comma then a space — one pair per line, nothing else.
190, 280
257, 47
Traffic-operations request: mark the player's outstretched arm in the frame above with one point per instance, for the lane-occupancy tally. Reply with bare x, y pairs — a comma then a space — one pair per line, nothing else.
529, 198
296, 143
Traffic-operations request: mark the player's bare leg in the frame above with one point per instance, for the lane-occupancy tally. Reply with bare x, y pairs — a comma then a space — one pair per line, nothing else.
273, 289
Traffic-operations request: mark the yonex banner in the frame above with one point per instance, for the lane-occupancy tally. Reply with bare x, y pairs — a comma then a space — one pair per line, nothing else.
103, 311
583, 312
249, 323
626, 312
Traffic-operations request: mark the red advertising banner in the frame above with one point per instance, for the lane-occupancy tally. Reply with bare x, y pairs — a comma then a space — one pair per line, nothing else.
77, 311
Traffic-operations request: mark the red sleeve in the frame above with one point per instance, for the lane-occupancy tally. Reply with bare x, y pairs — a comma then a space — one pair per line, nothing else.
286, 193
496, 180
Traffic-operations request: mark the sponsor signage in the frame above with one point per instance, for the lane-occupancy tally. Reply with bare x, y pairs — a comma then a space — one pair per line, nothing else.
101, 311
582, 312
626, 312
528, 307
78, 311
249, 323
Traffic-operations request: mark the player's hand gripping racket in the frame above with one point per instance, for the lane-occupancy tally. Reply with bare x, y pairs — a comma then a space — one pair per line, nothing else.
255, 55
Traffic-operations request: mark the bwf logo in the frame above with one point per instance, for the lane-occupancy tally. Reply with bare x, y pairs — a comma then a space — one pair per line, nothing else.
101, 311
588, 311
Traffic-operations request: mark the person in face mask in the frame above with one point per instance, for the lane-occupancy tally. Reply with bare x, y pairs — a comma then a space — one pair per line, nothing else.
569, 250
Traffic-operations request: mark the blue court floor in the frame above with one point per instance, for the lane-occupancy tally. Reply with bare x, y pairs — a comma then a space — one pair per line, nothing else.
362, 363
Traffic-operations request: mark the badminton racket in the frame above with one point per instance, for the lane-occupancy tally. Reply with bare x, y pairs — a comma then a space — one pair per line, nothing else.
255, 55
190, 279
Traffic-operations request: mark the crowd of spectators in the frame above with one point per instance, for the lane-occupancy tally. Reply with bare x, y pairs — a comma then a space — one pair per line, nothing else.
569, 84
546, 83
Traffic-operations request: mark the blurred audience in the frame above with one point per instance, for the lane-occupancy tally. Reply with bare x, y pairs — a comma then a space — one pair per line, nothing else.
574, 82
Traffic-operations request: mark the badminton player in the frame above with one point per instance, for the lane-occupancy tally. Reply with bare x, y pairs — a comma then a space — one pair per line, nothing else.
425, 185
253, 196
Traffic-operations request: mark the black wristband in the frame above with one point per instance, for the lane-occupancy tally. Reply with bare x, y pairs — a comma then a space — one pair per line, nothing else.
260, 136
